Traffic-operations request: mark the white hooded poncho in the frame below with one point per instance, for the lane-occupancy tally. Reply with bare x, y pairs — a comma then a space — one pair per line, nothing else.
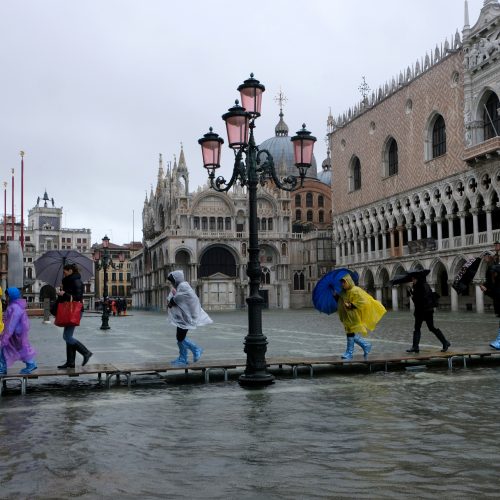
187, 313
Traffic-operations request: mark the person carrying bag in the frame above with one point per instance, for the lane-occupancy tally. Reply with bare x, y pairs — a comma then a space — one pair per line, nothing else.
71, 295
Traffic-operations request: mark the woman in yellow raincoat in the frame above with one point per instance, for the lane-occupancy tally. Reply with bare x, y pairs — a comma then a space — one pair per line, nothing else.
359, 313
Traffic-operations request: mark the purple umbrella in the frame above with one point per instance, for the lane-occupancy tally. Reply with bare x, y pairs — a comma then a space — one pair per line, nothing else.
322, 295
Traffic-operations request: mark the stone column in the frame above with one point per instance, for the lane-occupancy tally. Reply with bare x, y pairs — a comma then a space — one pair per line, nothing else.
479, 298
369, 239
489, 226
428, 228
384, 242
400, 233
462, 228
378, 293
475, 225
377, 248
454, 299
419, 230
337, 252
391, 236
440, 233
395, 305
408, 232
450, 230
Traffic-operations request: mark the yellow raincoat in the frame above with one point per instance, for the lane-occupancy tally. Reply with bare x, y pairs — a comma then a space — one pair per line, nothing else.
1, 312
363, 314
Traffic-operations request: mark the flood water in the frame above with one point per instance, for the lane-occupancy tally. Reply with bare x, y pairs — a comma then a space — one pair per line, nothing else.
427, 434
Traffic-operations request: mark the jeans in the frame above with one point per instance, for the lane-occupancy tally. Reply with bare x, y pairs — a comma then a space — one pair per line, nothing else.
68, 334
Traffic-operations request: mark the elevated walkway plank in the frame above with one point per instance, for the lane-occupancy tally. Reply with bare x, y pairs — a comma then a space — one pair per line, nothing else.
116, 370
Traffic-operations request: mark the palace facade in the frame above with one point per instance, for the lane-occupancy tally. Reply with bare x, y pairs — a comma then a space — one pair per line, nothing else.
417, 169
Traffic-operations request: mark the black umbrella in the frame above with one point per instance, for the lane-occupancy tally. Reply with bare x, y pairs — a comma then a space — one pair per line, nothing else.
399, 279
466, 274
49, 267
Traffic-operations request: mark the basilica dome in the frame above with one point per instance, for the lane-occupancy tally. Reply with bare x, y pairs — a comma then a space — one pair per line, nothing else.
325, 176
281, 148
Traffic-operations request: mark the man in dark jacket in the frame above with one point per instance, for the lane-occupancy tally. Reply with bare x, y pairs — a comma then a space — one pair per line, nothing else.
421, 295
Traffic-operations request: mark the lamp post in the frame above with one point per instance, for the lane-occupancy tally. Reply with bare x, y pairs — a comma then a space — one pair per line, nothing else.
103, 261
497, 250
252, 167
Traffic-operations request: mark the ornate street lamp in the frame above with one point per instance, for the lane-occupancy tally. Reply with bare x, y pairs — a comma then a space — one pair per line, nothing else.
103, 261
253, 166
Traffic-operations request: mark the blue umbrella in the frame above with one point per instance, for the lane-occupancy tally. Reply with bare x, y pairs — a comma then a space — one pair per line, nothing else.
322, 296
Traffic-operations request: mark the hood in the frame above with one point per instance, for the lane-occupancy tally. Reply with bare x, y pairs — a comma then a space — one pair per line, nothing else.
178, 276
348, 279
13, 293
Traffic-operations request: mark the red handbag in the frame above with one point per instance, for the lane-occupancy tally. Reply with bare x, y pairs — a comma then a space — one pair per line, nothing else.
68, 313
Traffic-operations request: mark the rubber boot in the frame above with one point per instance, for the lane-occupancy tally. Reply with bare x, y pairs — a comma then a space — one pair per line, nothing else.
496, 343
70, 357
183, 354
416, 342
349, 349
79, 347
30, 366
366, 346
197, 351
439, 334
3, 364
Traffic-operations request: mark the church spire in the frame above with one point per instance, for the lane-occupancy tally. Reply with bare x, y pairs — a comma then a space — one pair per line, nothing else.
182, 159
161, 174
466, 15
281, 128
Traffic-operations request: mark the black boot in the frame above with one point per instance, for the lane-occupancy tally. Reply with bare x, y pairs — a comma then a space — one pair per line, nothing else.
83, 351
416, 343
439, 334
70, 357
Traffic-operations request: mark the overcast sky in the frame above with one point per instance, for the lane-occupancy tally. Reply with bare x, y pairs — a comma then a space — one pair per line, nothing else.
94, 90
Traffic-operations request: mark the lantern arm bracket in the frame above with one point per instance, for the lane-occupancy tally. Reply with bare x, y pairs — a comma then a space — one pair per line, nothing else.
267, 171
239, 171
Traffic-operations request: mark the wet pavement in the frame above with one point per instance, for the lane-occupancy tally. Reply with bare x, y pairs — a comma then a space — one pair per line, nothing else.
401, 434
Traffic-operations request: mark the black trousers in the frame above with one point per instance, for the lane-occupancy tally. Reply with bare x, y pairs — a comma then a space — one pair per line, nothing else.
428, 318
181, 334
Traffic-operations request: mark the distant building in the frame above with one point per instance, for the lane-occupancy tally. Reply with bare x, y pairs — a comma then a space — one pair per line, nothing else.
45, 232
205, 233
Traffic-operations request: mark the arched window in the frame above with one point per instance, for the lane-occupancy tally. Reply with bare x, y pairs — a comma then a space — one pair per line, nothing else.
283, 249
228, 223
298, 281
220, 224
298, 215
309, 216
438, 137
269, 224
490, 117
263, 224
355, 177
309, 200
321, 216
321, 201
392, 157
297, 200
265, 276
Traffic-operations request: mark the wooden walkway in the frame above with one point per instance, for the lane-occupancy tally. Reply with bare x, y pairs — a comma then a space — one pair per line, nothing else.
126, 370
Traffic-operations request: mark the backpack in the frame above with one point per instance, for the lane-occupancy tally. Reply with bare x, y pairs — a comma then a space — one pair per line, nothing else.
435, 299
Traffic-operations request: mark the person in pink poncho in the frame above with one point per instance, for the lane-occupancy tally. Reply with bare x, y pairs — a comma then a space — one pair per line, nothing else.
14, 342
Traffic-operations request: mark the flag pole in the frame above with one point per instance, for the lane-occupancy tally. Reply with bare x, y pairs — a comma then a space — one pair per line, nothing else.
22, 199
12, 214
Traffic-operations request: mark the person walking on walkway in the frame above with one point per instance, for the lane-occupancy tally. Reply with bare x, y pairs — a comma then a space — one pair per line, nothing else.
359, 313
185, 313
14, 341
491, 287
72, 289
422, 296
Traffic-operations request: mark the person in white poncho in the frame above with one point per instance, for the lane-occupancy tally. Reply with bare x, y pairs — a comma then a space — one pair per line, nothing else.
185, 312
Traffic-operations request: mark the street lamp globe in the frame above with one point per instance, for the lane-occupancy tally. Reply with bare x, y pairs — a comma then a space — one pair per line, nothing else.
303, 145
251, 91
105, 242
211, 145
237, 120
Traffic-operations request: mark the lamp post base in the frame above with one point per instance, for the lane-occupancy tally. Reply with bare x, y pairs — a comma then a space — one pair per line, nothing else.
105, 322
256, 380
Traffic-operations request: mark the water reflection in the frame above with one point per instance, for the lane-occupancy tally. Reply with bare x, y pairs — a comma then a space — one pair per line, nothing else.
365, 436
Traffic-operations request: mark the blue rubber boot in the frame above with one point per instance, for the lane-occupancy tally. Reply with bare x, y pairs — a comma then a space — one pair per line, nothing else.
366, 346
3, 364
183, 355
349, 349
30, 366
496, 343
197, 351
